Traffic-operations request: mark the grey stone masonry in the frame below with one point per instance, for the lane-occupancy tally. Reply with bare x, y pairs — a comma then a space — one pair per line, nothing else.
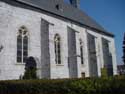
72, 55
45, 55
42, 27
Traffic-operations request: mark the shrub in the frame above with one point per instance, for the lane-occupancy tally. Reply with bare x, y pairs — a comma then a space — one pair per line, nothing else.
112, 85
104, 73
30, 69
30, 73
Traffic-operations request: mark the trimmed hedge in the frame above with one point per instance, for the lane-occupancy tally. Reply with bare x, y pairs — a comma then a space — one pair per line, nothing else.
111, 85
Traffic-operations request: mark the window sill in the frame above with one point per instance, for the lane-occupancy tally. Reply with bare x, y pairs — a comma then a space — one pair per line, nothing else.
59, 64
19, 63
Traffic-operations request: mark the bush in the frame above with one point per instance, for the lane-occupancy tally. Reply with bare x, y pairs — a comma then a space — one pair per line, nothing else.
30, 73
104, 73
30, 69
112, 85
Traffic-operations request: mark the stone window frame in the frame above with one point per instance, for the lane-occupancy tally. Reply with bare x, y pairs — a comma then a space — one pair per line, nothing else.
22, 45
57, 48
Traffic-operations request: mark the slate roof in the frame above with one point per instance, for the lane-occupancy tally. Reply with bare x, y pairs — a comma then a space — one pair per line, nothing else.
60, 8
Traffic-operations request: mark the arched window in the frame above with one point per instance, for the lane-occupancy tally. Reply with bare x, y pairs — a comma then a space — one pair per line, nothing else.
57, 49
19, 48
25, 48
22, 45
81, 51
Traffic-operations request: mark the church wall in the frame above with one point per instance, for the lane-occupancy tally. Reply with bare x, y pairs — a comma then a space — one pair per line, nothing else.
7, 58
72, 53
16, 18
82, 34
59, 70
45, 55
3, 25
100, 52
32, 20
12, 18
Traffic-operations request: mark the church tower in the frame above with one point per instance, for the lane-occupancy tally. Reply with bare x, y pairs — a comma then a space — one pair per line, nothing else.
75, 3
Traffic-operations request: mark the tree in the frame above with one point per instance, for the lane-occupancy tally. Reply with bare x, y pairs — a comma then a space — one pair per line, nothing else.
124, 49
30, 69
30, 73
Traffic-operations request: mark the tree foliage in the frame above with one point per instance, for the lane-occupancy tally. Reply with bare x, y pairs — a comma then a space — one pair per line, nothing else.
30, 69
124, 49
30, 73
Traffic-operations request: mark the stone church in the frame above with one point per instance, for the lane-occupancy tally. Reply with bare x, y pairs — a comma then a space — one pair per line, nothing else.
63, 41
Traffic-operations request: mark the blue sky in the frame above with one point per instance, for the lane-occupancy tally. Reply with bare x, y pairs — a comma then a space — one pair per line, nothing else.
111, 15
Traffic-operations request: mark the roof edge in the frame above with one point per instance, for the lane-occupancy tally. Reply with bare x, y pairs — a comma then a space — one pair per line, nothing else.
76, 22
